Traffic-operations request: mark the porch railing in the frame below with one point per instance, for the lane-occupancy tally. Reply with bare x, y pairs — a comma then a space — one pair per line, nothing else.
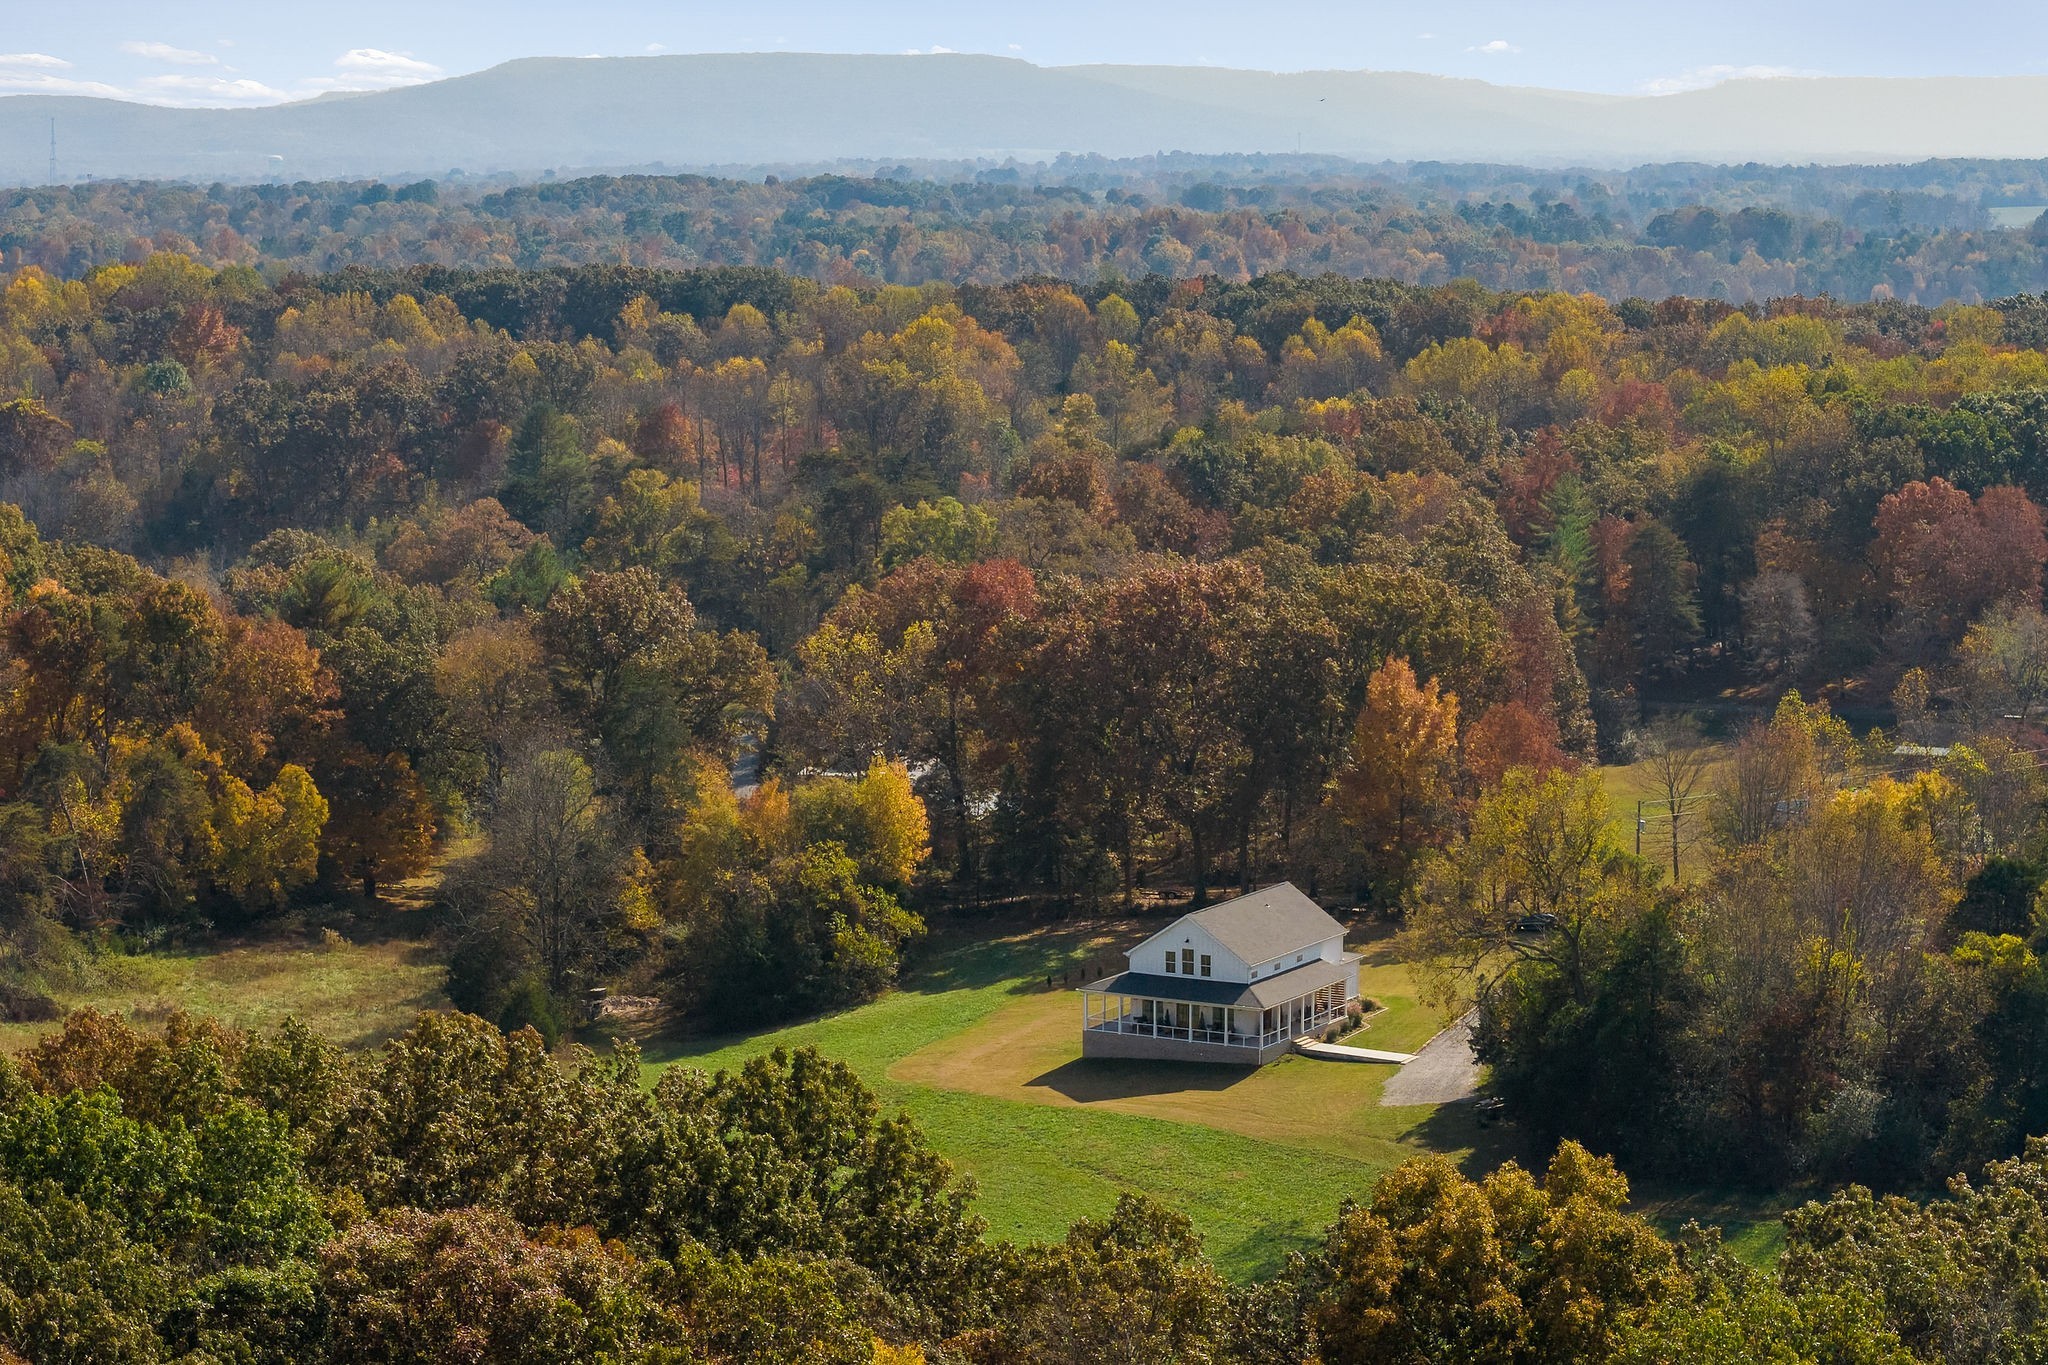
1138, 1026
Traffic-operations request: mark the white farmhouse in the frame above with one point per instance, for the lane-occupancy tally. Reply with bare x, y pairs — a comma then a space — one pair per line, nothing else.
1237, 982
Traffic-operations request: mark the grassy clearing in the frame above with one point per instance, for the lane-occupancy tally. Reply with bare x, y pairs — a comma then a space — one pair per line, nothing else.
1029, 1051
987, 1061
358, 994
1627, 784
1751, 1226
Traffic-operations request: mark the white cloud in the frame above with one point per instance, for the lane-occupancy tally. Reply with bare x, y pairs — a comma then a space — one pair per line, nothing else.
371, 61
1425, 37
1495, 48
363, 68
1015, 47
34, 73
164, 52
933, 51
1701, 77
657, 47
31, 83
206, 90
372, 68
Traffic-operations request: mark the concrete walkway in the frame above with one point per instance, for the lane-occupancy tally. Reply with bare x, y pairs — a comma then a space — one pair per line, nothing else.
1444, 1072
1338, 1052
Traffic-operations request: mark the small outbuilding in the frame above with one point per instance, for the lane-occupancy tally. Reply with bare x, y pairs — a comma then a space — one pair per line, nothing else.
1237, 982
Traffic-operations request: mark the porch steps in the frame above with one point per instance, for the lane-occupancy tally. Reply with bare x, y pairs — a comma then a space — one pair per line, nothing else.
1338, 1052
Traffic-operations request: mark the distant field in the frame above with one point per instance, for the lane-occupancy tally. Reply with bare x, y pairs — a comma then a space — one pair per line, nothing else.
357, 994
1633, 786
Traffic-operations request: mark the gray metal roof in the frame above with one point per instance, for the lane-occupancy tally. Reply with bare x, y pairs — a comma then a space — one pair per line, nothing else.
1194, 990
1276, 989
1267, 923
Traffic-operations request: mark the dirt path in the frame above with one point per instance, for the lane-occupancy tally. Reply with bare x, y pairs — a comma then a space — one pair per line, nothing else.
1444, 1072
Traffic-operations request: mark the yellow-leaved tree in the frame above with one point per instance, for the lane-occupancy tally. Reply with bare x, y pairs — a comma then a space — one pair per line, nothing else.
1539, 853
268, 842
1439, 1267
877, 817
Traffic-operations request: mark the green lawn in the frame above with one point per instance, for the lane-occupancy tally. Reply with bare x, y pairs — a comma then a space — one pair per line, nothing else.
985, 1058
1752, 1225
1258, 1159
1628, 784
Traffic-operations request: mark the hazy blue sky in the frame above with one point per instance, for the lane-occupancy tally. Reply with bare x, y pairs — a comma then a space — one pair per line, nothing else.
244, 51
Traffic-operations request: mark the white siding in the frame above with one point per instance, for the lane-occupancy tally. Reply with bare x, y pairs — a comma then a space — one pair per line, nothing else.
1182, 934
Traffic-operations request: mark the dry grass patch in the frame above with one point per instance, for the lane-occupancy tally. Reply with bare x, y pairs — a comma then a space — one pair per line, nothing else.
358, 994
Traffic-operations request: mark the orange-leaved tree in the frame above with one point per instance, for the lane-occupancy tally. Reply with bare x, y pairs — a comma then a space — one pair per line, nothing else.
1397, 789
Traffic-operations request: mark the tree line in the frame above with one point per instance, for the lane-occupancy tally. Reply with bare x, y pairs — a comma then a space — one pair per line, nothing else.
695, 610
1926, 234
200, 1193
1845, 986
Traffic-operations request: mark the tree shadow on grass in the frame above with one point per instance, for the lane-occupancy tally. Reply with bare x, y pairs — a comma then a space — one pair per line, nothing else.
1089, 1080
1751, 1221
1455, 1127
1053, 961
1262, 1253
1377, 942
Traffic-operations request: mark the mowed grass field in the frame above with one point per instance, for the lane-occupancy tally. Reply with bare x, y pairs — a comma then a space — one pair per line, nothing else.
986, 1059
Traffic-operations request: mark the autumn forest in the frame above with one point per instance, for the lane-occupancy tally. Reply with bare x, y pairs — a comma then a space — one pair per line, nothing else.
713, 631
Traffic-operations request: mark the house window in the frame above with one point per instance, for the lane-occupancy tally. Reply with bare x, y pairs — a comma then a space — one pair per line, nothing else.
1187, 961
1205, 964
1169, 962
1297, 957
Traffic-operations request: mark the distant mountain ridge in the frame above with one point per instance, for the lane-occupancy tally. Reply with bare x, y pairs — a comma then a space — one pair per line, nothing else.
734, 109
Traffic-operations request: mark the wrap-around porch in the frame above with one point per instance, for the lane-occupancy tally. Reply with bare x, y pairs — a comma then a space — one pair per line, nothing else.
1116, 1012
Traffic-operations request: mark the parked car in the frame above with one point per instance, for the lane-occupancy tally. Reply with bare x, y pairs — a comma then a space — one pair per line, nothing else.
1536, 923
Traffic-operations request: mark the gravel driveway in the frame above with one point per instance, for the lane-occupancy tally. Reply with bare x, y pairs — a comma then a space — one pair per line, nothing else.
1444, 1072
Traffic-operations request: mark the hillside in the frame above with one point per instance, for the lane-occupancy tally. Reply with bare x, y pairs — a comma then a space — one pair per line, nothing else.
775, 108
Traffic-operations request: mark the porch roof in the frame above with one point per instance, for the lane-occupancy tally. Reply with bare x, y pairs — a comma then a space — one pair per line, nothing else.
1277, 989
